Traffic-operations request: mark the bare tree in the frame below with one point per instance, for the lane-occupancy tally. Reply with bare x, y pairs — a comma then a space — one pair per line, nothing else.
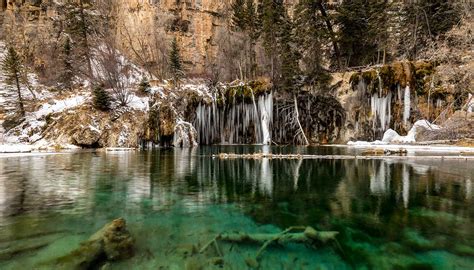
114, 71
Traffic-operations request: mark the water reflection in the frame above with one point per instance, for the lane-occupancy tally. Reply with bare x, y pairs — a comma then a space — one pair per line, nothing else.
374, 201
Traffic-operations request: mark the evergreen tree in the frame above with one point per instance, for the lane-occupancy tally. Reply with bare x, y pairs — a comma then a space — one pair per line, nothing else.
67, 72
289, 55
272, 17
424, 21
144, 85
101, 98
176, 67
79, 28
311, 35
363, 30
12, 68
239, 18
245, 19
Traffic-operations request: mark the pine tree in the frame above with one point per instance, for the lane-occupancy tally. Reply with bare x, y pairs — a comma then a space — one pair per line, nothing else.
144, 86
289, 55
12, 68
424, 21
245, 19
79, 27
67, 72
176, 67
239, 18
272, 17
363, 30
101, 98
311, 35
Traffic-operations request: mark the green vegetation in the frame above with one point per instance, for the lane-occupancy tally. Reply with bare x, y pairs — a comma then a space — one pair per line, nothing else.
144, 86
12, 67
175, 63
101, 98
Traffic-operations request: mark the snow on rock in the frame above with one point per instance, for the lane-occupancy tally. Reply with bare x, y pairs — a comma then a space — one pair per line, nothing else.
391, 136
154, 90
138, 103
184, 135
200, 88
31, 129
470, 105
60, 105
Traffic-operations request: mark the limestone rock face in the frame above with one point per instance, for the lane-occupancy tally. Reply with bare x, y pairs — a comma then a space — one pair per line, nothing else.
147, 27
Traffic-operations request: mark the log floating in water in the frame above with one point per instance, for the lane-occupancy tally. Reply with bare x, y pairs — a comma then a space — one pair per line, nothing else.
342, 157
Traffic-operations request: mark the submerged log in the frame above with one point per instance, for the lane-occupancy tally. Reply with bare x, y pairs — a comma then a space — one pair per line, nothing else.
304, 235
112, 242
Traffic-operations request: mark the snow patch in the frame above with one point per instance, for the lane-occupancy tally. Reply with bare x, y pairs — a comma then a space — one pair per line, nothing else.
60, 105
391, 136
15, 148
138, 103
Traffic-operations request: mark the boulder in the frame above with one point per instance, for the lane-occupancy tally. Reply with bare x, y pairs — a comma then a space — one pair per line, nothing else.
87, 136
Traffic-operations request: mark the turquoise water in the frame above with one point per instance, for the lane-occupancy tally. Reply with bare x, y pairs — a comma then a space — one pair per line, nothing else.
390, 214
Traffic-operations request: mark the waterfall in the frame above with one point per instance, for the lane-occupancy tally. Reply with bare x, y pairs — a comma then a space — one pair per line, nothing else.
381, 111
406, 105
236, 123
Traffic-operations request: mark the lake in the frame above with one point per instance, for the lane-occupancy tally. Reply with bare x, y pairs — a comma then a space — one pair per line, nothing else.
390, 214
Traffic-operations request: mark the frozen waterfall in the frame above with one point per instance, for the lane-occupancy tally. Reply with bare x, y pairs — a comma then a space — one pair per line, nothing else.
236, 123
381, 111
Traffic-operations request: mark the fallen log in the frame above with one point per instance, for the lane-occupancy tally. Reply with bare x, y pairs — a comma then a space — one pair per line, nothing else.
258, 156
112, 242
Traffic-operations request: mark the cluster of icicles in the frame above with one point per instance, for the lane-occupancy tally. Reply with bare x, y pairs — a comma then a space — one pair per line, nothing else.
231, 124
380, 106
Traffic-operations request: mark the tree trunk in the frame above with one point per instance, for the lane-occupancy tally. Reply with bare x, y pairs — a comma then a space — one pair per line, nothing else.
20, 99
331, 32
298, 121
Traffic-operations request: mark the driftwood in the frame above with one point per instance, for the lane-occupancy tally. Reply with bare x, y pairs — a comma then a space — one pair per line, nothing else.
112, 242
303, 235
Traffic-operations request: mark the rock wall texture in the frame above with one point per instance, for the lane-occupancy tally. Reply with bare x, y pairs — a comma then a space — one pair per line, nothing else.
144, 28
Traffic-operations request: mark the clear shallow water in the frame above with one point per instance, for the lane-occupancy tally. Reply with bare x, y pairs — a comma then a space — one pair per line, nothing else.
390, 214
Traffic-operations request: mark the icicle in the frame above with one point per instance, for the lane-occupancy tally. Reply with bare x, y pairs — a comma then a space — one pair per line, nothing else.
230, 125
381, 111
406, 105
